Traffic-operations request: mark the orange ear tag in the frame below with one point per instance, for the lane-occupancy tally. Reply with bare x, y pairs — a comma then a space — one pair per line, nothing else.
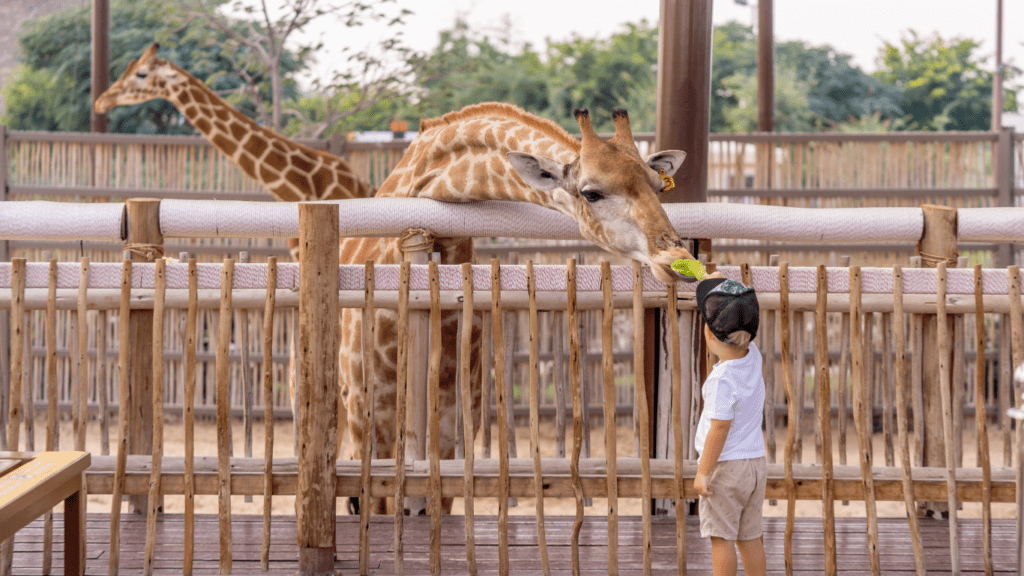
669, 181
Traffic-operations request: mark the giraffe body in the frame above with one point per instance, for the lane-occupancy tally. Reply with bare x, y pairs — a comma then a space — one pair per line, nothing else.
483, 152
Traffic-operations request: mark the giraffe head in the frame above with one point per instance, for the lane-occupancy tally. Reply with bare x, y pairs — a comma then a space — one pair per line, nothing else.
613, 193
145, 79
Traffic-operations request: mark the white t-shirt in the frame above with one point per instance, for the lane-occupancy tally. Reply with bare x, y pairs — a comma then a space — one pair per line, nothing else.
735, 391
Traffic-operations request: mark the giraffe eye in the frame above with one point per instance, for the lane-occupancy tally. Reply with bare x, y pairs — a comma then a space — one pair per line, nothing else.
592, 195
141, 74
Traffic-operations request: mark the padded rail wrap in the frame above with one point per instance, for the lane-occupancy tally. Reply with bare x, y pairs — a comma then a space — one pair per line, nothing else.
392, 216
990, 224
68, 221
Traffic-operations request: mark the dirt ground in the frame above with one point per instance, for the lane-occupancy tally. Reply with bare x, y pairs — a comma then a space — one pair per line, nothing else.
206, 445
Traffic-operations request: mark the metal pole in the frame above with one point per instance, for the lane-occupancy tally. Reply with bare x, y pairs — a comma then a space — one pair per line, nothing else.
997, 80
683, 113
765, 66
100, 60
682, 122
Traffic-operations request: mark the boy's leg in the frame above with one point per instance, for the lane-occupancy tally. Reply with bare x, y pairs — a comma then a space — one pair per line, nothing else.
752, 552
723, 556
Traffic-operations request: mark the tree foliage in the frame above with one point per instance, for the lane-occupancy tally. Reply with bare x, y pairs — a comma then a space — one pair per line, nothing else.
942, 83
257, 35
52, 88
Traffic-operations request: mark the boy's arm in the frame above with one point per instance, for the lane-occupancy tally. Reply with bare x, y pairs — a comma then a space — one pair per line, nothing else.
713, 445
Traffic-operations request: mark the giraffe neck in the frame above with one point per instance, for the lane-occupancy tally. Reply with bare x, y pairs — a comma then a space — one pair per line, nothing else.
288, 170
461, 158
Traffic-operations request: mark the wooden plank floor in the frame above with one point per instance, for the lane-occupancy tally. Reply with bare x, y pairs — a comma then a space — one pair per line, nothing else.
895, 547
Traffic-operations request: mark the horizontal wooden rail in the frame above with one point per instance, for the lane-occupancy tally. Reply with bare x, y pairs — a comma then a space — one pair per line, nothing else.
247, 478
247, 299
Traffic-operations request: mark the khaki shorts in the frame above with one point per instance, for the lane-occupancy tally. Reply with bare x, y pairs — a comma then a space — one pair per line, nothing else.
733, 511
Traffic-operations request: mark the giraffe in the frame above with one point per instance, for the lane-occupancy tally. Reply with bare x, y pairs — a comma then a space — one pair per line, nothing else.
497, 151
488, 151
290, 171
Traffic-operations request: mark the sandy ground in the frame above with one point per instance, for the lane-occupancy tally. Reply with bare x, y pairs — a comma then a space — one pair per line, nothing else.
206, 445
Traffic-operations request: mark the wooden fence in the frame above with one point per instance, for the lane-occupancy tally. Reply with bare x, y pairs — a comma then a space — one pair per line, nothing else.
813, 170
924, 318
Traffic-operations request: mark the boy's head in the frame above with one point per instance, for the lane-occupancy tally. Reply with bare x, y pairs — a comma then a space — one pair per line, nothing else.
729, 309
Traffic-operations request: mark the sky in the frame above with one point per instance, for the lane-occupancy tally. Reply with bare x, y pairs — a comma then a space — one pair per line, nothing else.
856, 27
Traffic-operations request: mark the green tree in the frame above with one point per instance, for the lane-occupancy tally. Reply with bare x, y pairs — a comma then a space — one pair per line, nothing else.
732, 56
468, 67
257, 42
792, 108
837, 91
942, 83
51, 90
604, 74
816, 86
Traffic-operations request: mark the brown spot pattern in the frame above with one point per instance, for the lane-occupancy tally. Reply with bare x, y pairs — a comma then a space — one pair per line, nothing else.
224, 144
255, 146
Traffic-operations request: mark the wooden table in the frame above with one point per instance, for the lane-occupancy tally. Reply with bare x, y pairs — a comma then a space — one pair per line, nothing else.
31, 483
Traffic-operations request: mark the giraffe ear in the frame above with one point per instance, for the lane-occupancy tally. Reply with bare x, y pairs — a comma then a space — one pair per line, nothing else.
540, 172
667, 160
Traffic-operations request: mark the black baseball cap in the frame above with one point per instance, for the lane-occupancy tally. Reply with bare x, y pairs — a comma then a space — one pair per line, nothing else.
728, 306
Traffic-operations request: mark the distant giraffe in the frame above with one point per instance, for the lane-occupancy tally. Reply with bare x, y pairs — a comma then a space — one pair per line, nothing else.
288, 170
500, 152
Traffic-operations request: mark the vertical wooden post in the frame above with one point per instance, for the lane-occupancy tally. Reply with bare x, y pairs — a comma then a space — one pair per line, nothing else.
418, 366
500, 400
123, 416
981, 422
577, 411
268, 403
825, 421
223, 399
538, 479
100, 60
682, 122
5, 326
937, 244
402, 384
610, 438
317, 387
997, 78
467, 419
765, 66
683, 112
861, 418
1004, 173
900, 346
189, 344
787, 383
145, 242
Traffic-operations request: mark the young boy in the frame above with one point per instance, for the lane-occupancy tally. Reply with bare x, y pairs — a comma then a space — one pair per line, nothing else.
731, 472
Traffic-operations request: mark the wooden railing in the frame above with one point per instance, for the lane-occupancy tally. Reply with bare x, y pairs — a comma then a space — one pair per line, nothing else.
847, 305
958, 169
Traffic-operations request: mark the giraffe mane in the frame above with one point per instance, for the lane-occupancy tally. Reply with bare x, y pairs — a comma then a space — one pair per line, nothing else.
503, 110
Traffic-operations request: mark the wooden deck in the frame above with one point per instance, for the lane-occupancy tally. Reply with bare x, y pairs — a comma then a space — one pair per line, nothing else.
895, 546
